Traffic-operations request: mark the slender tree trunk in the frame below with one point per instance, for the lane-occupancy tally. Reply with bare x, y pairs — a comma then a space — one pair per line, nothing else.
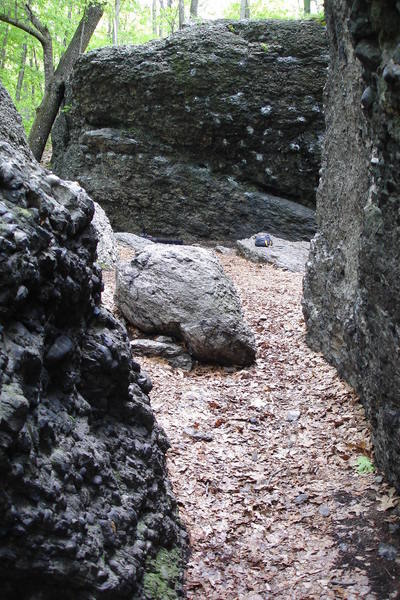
116, 22
161, 18
245, 9
69, 17
194, 7
4, 44
154, 16
181, 5
37, 71
307, 7
33, 60
3, 48
54, 85
21, 73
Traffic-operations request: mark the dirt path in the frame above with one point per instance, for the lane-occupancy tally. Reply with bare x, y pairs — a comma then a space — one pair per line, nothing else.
274, 504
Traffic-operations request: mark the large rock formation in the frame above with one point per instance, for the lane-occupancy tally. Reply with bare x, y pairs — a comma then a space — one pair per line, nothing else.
86, 510
352, 287
191, 135
183, 291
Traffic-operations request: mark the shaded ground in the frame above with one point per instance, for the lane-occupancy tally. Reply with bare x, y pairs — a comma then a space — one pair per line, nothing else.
274, 505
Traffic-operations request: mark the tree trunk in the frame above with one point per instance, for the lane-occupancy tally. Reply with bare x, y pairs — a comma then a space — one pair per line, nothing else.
4, 45
21, 73
161, 18
245, 9
194, 7
307, 7
181, 13
154, 16
3, 49
116, 22
54, 88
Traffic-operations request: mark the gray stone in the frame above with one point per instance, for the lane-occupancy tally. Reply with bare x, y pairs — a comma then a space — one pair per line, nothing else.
293, 415
225, 250
85, 502
291, 256
352, 283
183, 291
106, 246
136, 242
301, 498
211, 129
173, 353
324, 510
387, 551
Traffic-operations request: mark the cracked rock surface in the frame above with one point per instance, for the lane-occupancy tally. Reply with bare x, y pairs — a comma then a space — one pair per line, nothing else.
86, 507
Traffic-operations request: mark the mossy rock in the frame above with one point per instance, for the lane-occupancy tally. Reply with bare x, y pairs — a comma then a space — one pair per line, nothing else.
163, 575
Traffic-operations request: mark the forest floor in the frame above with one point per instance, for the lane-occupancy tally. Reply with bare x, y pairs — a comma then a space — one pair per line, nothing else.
274, 503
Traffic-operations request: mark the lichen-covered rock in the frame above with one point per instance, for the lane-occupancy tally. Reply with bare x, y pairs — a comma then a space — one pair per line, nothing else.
284, 254
106, 246
85, 503
206, 125
352, 286
183, 291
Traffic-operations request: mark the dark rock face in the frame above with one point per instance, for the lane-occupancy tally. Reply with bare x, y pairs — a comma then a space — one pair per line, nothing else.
352, 286
191, 135
86, 507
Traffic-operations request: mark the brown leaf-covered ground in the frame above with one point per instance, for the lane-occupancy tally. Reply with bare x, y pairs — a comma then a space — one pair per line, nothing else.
274, 505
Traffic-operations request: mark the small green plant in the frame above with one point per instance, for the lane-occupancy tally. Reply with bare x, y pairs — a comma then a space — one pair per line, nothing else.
264, 46
66, 108
231, 28
364, 465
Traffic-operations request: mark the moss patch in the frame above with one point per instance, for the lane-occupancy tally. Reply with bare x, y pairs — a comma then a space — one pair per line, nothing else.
162, 575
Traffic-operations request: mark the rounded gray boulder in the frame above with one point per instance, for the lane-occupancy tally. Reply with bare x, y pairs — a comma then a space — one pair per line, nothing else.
184, 292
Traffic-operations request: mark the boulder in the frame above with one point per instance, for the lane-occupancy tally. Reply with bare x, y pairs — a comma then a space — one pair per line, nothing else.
164, 347
291, 256
352, 284
85, 503
183, 291
212, 128
136, 242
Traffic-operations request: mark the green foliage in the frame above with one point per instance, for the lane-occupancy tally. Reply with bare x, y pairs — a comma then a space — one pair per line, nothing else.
364, 465
262, 9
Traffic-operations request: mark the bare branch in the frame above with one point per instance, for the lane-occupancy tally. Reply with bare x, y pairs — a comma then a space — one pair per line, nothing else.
24, 26
37, 23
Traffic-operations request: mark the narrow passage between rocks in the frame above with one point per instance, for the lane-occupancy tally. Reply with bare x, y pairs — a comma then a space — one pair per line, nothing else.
264, 464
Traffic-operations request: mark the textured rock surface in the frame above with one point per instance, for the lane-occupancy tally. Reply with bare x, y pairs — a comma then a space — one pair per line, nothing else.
204, 123
136, 242
183, 291
284, 254
106, 246
165, 348
352, 287
86, 508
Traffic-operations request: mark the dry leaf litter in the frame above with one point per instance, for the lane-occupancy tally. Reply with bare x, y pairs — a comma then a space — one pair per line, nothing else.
263, 463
